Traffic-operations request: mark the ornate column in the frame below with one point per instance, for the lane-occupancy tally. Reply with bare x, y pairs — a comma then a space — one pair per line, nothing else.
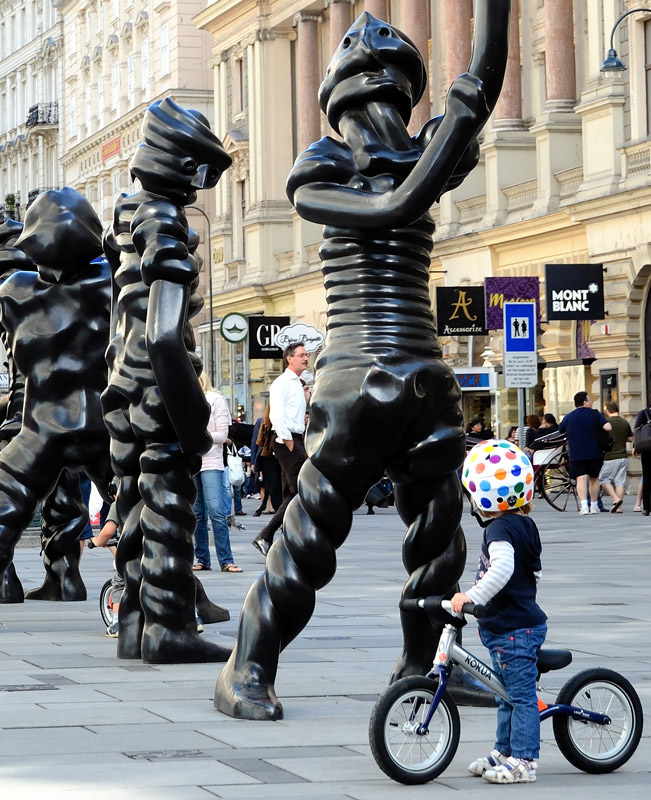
558, 129
378, 8
458, 36
340, 19
413, 22
308, 77
509, 149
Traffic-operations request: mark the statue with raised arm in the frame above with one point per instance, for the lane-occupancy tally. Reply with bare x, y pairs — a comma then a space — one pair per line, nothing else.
383, 399
154, 406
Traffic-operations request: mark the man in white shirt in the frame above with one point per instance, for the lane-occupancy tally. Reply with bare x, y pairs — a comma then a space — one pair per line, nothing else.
287, 402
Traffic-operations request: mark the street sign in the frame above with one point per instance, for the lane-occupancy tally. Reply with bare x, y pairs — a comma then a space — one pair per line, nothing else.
520, 355
234, 328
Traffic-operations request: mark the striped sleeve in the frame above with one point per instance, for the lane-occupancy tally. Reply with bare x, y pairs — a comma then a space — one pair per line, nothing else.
496, 577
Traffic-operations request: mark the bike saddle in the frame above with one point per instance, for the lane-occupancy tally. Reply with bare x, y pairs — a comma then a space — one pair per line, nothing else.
549, 660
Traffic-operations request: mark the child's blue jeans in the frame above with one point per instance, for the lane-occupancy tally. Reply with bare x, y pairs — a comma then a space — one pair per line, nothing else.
514, 657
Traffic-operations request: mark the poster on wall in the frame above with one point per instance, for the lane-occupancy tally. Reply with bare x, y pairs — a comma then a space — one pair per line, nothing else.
509, 290
460, 311
262, 332
574, 291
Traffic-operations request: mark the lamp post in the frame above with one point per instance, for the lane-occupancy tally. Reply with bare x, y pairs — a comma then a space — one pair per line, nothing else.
211, 348
613, 63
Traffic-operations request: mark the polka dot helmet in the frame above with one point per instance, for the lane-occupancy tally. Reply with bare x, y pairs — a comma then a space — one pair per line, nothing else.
498, 475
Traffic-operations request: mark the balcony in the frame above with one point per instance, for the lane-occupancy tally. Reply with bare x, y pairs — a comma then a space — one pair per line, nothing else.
43, 114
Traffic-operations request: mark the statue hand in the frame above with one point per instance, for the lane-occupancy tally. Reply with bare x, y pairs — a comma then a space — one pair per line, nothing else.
466, 100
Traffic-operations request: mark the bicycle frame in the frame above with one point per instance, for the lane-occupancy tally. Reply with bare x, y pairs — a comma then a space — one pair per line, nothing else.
449, 652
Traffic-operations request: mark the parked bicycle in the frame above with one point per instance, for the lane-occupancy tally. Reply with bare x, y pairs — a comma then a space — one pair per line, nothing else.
414, 730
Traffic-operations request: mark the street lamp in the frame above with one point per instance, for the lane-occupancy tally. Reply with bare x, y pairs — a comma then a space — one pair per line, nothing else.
613, 63
211, 348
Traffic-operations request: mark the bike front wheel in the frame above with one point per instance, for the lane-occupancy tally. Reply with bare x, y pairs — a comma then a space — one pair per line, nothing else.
587, 745
106, 603
402, 750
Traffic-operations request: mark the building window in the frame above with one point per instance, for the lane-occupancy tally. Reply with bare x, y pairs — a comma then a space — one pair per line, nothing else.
165, 49
144, 63
116, 9
100, 15
238, 86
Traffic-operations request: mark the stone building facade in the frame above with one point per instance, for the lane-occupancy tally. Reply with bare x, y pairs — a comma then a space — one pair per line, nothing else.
563, 178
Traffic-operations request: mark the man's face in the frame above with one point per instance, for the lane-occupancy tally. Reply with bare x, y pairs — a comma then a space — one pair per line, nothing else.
588, 403
297, 362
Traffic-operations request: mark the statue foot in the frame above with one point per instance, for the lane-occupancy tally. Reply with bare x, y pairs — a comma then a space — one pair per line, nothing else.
11, 589
129, 633
207, 610
70, 590
244, 699
161, 645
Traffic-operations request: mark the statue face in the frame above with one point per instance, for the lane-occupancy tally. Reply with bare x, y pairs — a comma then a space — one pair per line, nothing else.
375, 62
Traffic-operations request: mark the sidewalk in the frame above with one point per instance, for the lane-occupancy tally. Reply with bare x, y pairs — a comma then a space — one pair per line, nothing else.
77, 722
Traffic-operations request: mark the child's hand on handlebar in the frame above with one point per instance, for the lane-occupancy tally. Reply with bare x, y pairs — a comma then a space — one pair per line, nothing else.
458, 600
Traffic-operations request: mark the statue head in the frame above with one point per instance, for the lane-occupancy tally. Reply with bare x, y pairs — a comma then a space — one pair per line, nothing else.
374, 62
62, 234
179, 153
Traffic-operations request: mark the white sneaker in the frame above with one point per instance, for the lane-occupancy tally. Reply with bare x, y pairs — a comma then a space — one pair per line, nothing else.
514, 770
480, 766
584, 511
594, 509
637, 508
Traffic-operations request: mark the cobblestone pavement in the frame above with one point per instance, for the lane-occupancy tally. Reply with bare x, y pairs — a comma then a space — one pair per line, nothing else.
78, 723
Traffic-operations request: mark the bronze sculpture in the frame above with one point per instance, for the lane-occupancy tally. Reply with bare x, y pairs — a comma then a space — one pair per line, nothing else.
383, 397
154, 407
59, 351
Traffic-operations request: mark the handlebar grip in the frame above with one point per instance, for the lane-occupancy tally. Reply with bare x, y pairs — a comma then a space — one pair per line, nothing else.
409, 604
474, 609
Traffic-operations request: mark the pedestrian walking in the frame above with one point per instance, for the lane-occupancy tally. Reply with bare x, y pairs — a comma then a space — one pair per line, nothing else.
586, 456
612, 476
287, 404
643, 417
500, 479
210, 487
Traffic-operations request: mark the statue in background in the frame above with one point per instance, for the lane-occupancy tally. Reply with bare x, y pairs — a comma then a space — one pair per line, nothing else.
383, 397
154, 407
56, 323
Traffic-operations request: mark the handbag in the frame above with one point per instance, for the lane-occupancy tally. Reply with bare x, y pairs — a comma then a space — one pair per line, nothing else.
604, 439
642, 436
235, 467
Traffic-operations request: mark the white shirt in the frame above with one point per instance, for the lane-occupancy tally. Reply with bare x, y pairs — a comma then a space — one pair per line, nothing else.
220, 419
287, 405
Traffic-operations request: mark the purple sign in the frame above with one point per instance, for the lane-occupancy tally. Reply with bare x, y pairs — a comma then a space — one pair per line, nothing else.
509, 290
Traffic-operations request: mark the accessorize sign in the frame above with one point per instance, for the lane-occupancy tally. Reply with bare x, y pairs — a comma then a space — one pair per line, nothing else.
460, 311
509, 290
574, 291
262, 331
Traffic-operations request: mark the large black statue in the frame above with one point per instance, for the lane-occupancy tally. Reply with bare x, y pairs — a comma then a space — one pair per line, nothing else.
56, 324
154, 407
383, 397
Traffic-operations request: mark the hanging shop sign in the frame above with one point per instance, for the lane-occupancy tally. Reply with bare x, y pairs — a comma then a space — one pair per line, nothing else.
477, 379
262, 332
309, 336
234, 328
574, 291
520, 364
509, 290
460, 311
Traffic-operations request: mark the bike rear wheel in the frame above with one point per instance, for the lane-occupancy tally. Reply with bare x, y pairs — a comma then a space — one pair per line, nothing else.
557, 487
401, 752
106, 603
599, 748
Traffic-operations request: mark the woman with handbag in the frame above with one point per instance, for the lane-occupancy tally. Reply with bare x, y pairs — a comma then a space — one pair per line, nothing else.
210, 487
642, 448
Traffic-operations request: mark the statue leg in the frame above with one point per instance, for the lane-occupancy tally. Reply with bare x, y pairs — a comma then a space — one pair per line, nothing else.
26, 475
345, 461
64, 518
11, 589
168, 588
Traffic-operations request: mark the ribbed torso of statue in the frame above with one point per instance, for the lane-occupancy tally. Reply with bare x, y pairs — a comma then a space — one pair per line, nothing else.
377, 294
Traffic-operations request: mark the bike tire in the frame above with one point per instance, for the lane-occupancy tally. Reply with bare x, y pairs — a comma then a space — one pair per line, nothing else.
599, 748
105, 605
556, 486
405, 756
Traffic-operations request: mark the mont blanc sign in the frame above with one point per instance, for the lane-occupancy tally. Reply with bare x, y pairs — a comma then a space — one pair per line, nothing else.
574, 291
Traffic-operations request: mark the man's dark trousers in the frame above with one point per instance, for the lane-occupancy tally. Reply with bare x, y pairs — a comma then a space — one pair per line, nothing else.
290, 465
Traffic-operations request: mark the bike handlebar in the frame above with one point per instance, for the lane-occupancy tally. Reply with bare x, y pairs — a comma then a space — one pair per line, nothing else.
111, 543
436, 602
